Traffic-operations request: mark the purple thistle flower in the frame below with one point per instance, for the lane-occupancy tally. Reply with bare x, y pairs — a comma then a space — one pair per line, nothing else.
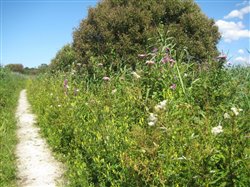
173, 86
165, 59
65, 83
155, 50
222, 57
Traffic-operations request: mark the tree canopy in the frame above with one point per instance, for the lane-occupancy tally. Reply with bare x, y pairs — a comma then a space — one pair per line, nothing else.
117, 30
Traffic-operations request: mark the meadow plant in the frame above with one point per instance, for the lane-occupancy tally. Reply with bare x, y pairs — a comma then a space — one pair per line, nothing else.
164, 123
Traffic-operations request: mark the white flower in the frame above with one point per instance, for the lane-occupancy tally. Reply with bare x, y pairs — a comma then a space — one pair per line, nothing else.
151, 123
152, 117
161, 105
114, 91
227, 116
135, 75
59, 105
236, 110
217, 130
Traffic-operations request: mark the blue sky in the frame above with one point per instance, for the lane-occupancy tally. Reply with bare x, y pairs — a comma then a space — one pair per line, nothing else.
32, 31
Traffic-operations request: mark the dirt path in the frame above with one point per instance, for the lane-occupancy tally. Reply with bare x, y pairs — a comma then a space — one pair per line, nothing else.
36, 165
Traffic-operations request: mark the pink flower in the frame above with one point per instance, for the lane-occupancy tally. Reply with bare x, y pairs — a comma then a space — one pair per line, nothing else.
65, 83
222, 57
155, 50
167, 59
66, 86
106, 78
150, 62
173, 86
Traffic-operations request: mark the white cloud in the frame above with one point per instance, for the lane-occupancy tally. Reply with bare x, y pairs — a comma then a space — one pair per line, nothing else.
238, 13
232, 30
242, 3
241, 51
240, 59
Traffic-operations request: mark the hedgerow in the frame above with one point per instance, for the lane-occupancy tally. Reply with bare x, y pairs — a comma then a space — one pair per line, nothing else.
169, 123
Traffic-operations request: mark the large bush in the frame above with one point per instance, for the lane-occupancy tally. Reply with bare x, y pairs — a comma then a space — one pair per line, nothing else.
120, 29
63, 60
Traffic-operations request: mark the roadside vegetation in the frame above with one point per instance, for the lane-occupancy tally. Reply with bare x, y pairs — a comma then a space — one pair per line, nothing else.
168, 123
142, 97
10, 86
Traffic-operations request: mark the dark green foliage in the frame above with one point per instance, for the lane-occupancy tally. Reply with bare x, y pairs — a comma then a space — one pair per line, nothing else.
15, 68
119, 30
63, 59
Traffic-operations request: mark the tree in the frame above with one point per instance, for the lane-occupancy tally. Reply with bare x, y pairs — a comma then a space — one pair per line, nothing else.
18, 68
63, 59
120, 29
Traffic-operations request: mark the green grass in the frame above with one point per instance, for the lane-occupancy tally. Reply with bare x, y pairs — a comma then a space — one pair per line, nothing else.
10, 85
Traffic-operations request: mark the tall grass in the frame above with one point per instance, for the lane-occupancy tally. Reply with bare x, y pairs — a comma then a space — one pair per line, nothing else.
169, 123
10, 85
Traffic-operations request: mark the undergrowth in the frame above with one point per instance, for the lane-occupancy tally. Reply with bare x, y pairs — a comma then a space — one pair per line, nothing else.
10, 86
169, 123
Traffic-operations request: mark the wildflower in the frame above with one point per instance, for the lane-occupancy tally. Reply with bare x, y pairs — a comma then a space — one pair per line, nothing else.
65, 83
100, 64
173, 86
79, 64
222, 57
150, 62
155, 50
151, 123
142, 55
114, 91
185, 74
165, 59
66, 86
59, 105
236, 110
152, 119
217, 130
76, 91
135, 75
172, 60
161, 105
106, 78
227, 116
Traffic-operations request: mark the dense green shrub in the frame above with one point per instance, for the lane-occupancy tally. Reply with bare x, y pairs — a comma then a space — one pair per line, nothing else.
116, 31
10, 85
156, 126
63, 60
15, 68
